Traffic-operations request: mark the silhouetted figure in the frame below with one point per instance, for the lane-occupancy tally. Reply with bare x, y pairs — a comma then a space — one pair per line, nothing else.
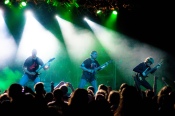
122, 86
30, 67
141, 72
40, 101
130, 103
64, 86
16, 102
105, 88
100, 105
49, 97
114, 99
91, 88
90, 67
78, 102
58, 103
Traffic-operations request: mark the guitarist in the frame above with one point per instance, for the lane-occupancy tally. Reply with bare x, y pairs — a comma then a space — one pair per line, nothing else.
30, 66
89, 70
141, 72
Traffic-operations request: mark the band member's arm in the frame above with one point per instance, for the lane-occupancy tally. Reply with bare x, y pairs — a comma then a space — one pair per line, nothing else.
155, 68
139, 68
28, 72
45, 66
86, 69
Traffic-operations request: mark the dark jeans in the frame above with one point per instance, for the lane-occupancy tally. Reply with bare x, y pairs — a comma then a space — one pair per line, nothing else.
83, 82
138, 82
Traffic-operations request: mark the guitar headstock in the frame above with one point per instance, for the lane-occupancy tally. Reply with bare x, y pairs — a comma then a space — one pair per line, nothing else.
161, 62
110, 61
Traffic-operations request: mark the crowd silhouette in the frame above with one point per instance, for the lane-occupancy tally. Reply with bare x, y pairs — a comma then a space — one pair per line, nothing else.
126, 101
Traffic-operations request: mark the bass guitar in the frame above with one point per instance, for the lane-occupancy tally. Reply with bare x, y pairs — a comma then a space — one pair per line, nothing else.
32, 77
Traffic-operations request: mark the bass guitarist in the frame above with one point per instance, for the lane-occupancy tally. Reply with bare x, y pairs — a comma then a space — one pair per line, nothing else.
141, 72
89, 68
30, 66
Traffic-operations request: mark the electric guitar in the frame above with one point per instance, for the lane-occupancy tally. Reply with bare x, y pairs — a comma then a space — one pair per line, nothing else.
149, 71
32, 77
101, 67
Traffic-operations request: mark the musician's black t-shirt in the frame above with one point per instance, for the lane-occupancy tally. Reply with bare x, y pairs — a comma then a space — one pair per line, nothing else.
33, 64
89, 64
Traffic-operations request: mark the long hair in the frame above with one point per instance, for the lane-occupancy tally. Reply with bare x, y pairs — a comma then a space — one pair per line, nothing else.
149, 59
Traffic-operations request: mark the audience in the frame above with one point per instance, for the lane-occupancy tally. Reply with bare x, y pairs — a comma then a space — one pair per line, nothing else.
125, 101
58, 102
113, 99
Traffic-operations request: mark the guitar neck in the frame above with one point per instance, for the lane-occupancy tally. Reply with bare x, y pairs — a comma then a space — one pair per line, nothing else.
41, 67
103, 65
44, 65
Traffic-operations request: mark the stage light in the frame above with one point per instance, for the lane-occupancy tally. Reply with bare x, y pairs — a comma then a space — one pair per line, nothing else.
23, 4
99, 11
114, 12
77, 5
7, 2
